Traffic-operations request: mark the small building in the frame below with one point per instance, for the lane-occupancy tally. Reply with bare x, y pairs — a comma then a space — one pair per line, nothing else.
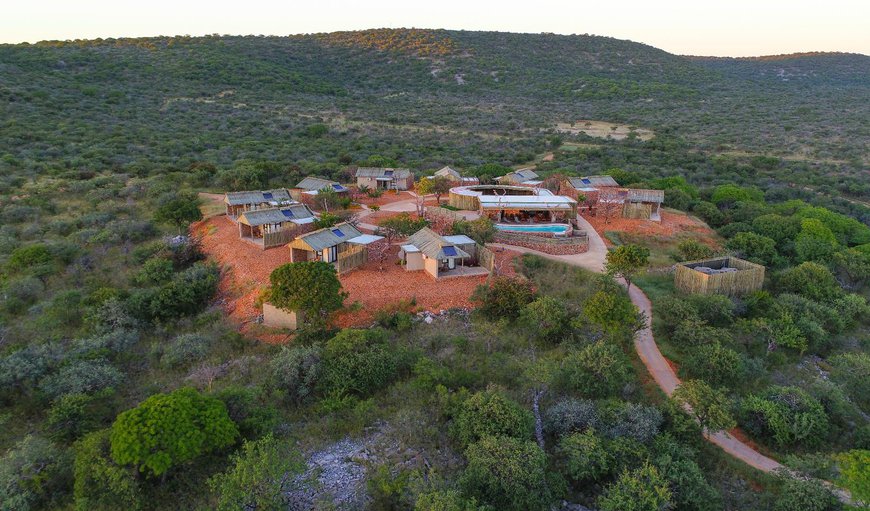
542, 208
273, 227
723, 275
384, 178
342, 244
454, 176
524, 177
439, 256
239, 202
643, 204
604, 192
312, 185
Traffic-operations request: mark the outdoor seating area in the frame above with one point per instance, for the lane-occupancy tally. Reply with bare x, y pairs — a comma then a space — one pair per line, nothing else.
274, 227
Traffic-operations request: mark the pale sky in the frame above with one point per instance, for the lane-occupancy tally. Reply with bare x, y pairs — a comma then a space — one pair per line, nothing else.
695, 27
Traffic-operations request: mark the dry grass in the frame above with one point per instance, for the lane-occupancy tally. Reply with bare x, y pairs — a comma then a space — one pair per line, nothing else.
603, 129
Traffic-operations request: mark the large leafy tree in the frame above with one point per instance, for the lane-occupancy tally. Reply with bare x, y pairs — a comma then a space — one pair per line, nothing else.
309, 286
258, 476
626, 261
100, 484
437, 186
167, 430
709, 406
643, 489
855, 473
491, 413
598, 370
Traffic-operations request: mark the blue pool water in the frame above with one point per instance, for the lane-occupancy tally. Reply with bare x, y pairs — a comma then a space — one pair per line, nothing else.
532, 228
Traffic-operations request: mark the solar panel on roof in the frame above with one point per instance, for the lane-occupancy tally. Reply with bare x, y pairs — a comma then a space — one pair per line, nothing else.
337, 186
267, 195
388, 173
586, 181
287, 213
449, 251
338, 233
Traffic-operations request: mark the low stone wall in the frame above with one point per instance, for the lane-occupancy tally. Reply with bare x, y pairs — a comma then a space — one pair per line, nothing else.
576, 244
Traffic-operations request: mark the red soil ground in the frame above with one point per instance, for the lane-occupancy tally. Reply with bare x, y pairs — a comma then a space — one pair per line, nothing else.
672, 223
246, 271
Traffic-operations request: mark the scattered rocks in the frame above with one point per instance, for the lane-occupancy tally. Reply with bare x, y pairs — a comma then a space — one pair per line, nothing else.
335, 477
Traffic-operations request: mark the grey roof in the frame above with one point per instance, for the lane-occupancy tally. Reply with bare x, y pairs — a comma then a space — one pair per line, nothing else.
383, 172
293, 214
329, 236
637, 195
257, 197
318, 183
520, 176
434, 246
592, 181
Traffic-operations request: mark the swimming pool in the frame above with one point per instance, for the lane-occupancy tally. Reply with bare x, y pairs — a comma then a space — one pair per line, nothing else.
553, 228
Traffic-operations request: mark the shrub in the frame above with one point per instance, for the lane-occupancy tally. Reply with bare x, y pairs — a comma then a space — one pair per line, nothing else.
547, 319
503, 297
295, 372
815, 242
674, 310
598, 370
571, 415
585, 456
481, 230
852, 370
185, 350
445, 500
689, 489
360, 362
753, 247
81, 377
249, 409
787, 415
72, 415
710, 407
714, 363
310, 286
691, 249
643, 489
156, 270
33, 473
23, 368
636, 421
257, 476
166, 430
855, 473
612, 312
717, 310
811, 280
696, 332
491, 413
508, 474
805, 495
29, 256
100, 484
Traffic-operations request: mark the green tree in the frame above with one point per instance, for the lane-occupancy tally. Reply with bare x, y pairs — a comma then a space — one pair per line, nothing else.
643, 489
360, 362
179, 211
400, 226
753, 247
611, 311
729, 194
585, 455
481, 230
855, 473
445, 500
503, 297
437, 186
625, 261
34, 474
805, 495
258, 476
547, 319
598, 370
326, 220
692, 249
787, 415
853, 264
508, 474
167, 430
815, 241
100, 484
811, 280
311, 287
708, 405
491, 413
715, 363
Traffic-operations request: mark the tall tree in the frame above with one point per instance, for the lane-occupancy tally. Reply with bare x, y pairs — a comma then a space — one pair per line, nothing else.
179, 211
309, 286
708, 405
437, 186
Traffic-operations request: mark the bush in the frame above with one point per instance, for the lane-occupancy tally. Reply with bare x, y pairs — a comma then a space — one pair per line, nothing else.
691, 249
598, 370
508, 474
188, 293
636, 421
571, 415
72, 415
715, 364
547, 319
29, 256
805, 495
33, 474
81, 377
811, 280
21, 369
156, 270
717, 310
503, 297
311, 287
249, 409
359, 362
481, 230
445, 500
585, 456
643, 489
753, 247
787, 415
612, 312
185, 350
100, 484
491, 413
852, 370
166, 430
295, 372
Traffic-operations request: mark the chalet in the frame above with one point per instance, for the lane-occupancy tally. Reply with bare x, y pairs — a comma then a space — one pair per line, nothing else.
454, 176
239, 202
273, 227
524, 177
384, 178
438, 255
602, 192
330, 244
313, 185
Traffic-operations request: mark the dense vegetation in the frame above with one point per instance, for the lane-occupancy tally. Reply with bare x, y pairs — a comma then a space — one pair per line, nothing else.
108, 319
